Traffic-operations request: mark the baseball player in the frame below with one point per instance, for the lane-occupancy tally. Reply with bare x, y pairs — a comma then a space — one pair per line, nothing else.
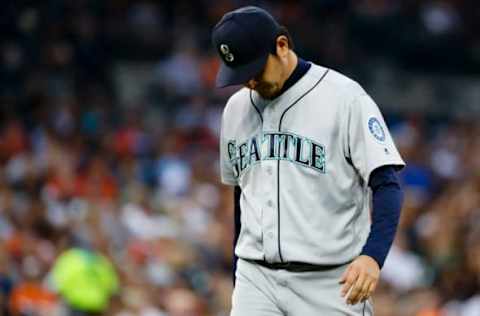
307, 151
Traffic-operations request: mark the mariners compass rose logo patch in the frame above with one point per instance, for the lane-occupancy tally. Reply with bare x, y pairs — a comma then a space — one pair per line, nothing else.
376, 129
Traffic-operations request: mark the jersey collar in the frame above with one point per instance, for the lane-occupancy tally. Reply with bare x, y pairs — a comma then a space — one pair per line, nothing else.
291, 88
300, 70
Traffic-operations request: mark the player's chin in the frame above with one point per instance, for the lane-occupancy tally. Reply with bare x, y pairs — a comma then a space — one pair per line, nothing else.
268, 94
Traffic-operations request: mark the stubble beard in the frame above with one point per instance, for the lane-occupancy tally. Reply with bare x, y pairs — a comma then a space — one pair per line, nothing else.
268, 91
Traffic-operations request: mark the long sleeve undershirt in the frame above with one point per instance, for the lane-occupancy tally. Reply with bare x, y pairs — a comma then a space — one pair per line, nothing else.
387, 198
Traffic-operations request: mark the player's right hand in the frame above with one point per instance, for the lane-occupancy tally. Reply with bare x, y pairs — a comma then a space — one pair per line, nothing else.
360, 279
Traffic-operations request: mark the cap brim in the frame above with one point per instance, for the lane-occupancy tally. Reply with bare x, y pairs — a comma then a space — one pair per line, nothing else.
228, 76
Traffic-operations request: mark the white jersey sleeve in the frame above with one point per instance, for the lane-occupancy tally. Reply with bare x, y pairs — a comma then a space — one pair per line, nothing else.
226, 167
369, 143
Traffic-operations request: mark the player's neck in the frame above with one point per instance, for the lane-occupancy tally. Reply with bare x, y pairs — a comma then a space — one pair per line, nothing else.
291, 65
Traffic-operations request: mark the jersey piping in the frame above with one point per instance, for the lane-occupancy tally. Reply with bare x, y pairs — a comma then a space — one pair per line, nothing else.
256, 108
278, 161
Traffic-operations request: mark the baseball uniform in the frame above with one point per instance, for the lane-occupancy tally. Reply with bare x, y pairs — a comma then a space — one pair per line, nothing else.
303, 162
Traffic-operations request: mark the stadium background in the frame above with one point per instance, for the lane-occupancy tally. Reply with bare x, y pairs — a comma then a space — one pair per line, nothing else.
109, 131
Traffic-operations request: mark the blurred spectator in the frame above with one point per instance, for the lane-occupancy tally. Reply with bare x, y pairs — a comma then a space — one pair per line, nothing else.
86, 280
33, 298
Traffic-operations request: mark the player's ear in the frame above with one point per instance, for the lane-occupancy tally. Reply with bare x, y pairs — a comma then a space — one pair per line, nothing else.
282, 46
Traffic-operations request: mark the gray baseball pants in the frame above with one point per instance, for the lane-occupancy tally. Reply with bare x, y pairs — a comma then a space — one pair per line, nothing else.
260, 291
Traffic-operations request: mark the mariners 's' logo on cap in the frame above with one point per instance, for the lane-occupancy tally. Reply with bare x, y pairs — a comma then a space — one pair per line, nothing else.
227, 55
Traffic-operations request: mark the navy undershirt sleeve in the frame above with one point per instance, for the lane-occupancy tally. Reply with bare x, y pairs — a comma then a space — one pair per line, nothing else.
237, 192
387, 198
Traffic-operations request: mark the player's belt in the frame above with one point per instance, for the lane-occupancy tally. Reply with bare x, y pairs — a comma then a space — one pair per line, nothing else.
294, 266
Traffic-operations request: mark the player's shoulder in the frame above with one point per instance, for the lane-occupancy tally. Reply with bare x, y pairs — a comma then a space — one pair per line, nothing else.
335, 81
237, 103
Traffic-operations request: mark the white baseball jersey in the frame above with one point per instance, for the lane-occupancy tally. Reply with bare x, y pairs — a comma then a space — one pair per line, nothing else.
303, 162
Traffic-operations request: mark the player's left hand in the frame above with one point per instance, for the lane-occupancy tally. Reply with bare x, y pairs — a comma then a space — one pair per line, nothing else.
360, 279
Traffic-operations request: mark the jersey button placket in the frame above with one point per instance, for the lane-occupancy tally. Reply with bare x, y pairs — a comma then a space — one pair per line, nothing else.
269, 170
270, 190
270, 213
270, 243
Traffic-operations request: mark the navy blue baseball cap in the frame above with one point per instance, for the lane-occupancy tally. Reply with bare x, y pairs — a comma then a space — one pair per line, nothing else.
244, 38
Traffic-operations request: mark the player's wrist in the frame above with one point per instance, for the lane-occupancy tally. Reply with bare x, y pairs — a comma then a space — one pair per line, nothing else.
373, 258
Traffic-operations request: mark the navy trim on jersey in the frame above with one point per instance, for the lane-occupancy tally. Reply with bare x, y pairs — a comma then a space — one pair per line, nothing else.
296, 101
278, 162
256, 108
300, 69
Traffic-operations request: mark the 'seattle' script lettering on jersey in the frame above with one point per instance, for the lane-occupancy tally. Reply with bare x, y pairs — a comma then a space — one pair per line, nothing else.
276, 146
303, 162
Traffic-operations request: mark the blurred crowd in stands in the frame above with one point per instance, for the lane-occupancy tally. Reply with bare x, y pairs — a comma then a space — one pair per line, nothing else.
138, 183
